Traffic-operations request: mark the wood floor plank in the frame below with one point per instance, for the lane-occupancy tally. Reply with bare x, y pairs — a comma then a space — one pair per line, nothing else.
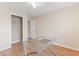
52, 50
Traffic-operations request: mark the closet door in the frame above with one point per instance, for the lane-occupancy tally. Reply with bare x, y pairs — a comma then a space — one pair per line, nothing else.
16, 29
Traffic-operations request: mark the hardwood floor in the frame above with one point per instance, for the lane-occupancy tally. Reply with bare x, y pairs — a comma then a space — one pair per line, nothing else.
52, 50
62, 51
16, 50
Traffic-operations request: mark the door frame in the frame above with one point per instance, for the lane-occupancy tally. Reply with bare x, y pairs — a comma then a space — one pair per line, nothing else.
21, 28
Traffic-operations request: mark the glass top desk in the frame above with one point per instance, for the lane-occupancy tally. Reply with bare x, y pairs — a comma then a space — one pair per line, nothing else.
37, 45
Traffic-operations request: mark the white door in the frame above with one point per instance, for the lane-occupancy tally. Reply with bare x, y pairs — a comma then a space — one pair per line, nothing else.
33, 29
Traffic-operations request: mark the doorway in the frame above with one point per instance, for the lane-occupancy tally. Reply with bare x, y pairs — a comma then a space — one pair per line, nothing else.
29, 29
16, 29
32, 29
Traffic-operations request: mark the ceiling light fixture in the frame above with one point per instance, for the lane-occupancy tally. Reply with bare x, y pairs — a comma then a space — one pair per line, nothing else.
34, 4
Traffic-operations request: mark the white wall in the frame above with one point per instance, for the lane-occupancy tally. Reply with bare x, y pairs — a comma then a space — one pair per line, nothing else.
62, 24
5, 25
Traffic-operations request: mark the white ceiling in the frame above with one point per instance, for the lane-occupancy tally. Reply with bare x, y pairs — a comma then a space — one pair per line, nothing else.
42, 8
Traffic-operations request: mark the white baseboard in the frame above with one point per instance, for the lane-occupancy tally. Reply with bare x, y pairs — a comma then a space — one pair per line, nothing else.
66, 46
16, 41
9, 46
4, 48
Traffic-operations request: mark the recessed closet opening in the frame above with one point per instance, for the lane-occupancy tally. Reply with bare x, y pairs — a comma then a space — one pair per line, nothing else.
16, 29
